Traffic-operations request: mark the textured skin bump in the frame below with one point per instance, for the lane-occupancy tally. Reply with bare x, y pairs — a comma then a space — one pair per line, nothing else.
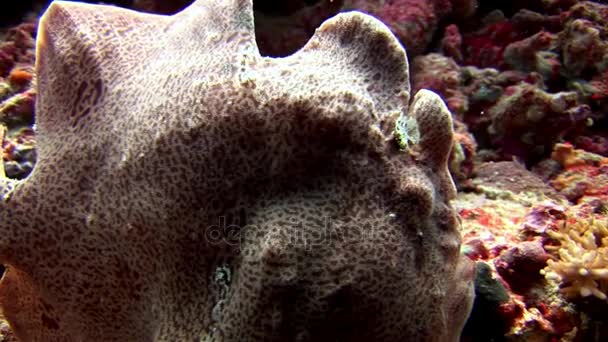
188, 188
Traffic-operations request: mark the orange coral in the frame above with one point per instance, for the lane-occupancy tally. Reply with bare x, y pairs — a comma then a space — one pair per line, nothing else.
20, 77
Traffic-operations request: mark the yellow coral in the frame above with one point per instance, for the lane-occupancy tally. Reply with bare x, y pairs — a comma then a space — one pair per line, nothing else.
581, 259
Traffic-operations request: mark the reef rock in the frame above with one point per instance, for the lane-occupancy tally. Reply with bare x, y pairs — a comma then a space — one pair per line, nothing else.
187, 188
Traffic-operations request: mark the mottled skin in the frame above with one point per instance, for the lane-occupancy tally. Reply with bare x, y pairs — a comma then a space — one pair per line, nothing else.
189, 188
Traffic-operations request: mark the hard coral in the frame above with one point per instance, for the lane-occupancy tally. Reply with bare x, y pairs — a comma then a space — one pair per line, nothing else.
531, 80
17, 98
188, 188
485, 48
527, 121
584, 177
462, 158
531, 53
497, 229
413, 21
18, 152
451, 44
583, 43
583, 48
16, 47
442, 75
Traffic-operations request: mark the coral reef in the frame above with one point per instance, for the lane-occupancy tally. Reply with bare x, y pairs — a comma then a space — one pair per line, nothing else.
584, 176
527, 121
442, 75
413, 22
579, 240
485, 47
523, 227
17, 48
504, 222
188, 188
19, 153
582, 40
522, 84
463, 155
581, 265
17, 98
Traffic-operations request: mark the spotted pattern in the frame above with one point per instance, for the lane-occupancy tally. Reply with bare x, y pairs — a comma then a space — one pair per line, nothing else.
189, 189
